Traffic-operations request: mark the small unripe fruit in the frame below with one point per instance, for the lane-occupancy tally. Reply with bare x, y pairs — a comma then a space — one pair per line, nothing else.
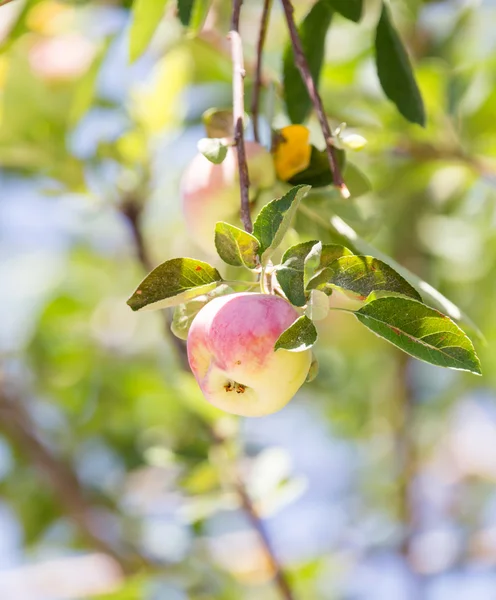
210, 193
231, 353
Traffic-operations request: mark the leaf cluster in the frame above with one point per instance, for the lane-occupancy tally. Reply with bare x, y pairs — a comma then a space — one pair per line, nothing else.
309, 272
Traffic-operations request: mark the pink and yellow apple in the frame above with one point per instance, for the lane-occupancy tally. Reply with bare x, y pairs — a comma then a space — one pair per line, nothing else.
231, 353
210, 193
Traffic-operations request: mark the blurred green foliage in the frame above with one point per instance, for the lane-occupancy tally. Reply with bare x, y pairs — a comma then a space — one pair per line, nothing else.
84, 134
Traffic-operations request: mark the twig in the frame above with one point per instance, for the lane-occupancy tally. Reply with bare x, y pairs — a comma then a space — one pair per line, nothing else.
16, 422
257, 82
239, 113
405, 451
257, 524
131, 208
302, 65
5, 2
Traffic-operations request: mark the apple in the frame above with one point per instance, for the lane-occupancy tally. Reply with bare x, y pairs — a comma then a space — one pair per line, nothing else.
210, 193
231, 353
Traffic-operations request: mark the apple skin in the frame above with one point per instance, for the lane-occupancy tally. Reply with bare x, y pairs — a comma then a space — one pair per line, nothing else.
210, 193
231, 353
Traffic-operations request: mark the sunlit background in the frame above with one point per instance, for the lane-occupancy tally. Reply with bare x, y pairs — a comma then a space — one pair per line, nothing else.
377, 481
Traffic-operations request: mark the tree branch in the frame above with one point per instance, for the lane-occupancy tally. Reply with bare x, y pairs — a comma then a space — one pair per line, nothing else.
17, 424
131, 208
257, 82
239, 113
302, 65
257, 524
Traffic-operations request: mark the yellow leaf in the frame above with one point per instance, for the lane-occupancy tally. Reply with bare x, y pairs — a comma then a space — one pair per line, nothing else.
292, 154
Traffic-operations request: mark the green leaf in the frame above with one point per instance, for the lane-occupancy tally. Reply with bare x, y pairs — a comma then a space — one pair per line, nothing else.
274, 220
351, 9
299, 336
356, 181
199, 14
291, 273
185, 313
361, 275
185, 11
343, 232
145, 18
312, 32
420, 331
173, 282
318, 172
213, 149
218, 122
395, 71
353, 141
235, 246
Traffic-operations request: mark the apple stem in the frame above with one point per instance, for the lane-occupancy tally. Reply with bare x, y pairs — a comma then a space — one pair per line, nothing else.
257, 82
238, 114
263, 288
302, 65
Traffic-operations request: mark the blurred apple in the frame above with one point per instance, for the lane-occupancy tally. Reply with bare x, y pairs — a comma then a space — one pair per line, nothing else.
210, 193
231, 353
61, 57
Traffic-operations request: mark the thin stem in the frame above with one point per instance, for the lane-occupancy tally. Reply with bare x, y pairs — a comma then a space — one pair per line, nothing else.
131, 208
302, 65
257, 524
257, 82
238, 115
262, 281
2, 2
341, 309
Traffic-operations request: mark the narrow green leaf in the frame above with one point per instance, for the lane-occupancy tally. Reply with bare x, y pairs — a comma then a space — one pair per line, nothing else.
199, 14
361, 275
173, 282
145, 18
213, 149
185, 11
420, 331
356, 181
235, 246
291, 273
395, 70
299, 336
318, 172
274, 220
312, 32
350, 9
185, 313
